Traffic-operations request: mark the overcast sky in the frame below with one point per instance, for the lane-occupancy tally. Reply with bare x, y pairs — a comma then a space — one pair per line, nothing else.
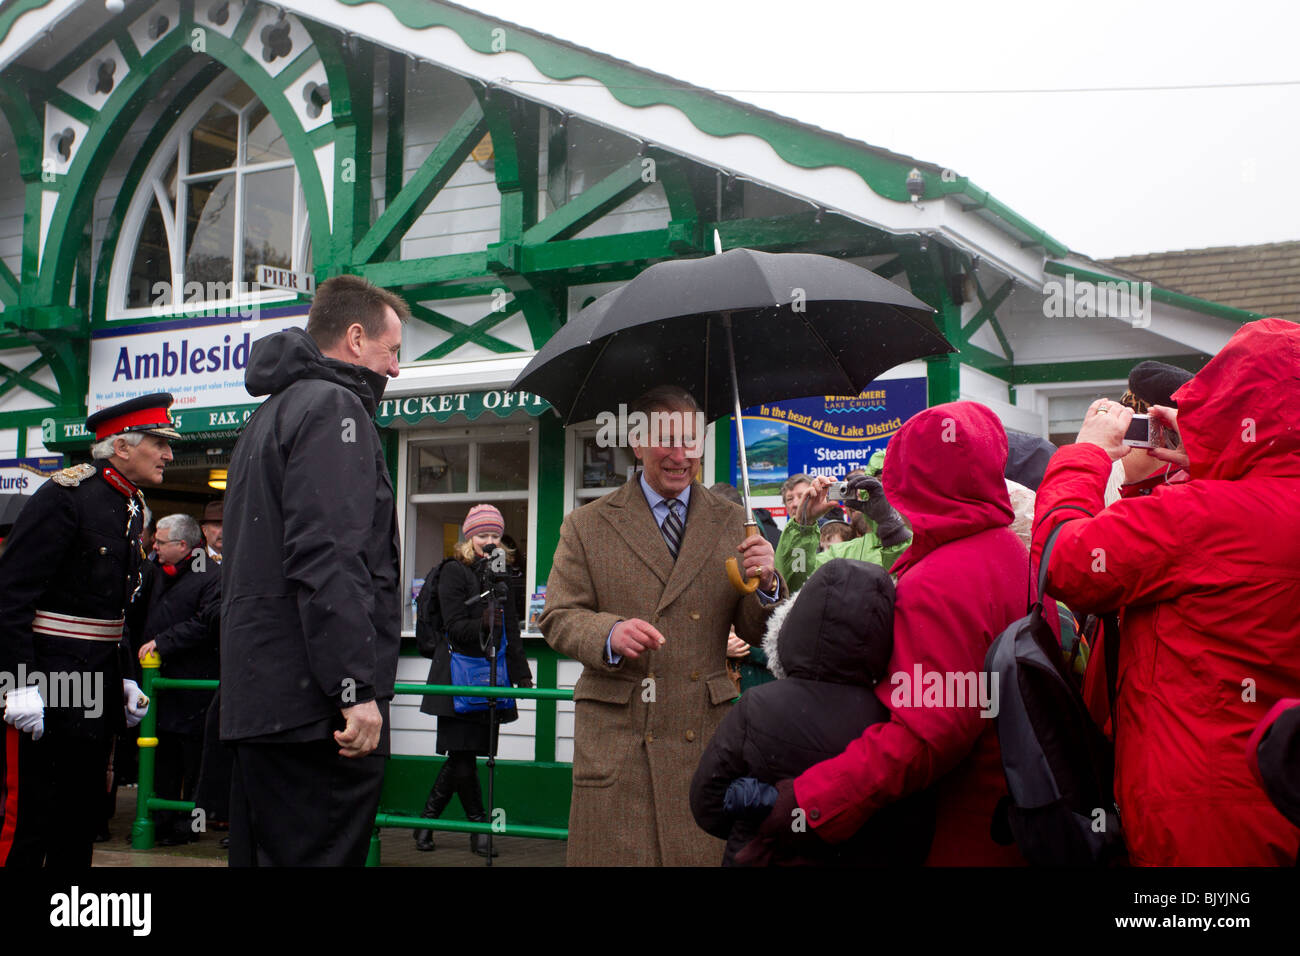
1106, 173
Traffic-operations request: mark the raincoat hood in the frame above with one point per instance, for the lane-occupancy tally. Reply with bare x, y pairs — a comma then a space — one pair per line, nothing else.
1241, 413
839, 628
277, 361
944, 474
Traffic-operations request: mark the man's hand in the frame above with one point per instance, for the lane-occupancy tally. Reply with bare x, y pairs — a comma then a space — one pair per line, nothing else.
25, 709
633, 637
361, 735
1104, 425
758, 559
815, 503
134, 703
736, 648
147, 649
1169, 418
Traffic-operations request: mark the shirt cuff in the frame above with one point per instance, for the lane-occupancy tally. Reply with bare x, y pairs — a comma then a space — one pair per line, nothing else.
610, 657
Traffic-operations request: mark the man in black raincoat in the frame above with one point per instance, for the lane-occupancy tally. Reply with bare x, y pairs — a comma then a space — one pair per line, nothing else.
311, 620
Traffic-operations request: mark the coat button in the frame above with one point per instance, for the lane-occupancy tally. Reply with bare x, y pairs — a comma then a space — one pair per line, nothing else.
650, 676
690, 735
103, 550
655, 619
695, 615
649, 738
815, 813
695, 675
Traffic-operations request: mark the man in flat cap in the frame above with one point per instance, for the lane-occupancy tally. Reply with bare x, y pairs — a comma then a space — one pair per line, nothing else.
68, 580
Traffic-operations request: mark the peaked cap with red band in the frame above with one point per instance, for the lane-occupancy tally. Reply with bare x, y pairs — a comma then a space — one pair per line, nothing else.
147, 414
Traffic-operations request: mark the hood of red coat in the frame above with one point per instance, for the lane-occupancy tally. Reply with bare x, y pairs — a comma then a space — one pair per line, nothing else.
943, 472
1241, 413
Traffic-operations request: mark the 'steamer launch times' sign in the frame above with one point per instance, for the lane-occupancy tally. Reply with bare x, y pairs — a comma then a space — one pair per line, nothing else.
824, 435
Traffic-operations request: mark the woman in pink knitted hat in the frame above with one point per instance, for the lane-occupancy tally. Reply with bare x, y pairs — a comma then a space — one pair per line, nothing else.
465, 624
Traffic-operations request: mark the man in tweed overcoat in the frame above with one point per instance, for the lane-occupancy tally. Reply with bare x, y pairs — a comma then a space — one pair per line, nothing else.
651, 633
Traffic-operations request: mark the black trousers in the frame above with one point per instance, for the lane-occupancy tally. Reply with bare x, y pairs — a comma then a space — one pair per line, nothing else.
53, 798
302, 804
175, 775
213, 790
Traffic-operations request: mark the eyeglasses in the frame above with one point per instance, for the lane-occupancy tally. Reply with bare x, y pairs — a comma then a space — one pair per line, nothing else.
159, 542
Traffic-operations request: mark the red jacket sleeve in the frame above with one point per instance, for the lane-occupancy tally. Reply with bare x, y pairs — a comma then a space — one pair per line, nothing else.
1133, 552
917, 745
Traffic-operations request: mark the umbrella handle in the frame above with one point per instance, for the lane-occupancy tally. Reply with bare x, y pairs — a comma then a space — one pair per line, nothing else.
733, 569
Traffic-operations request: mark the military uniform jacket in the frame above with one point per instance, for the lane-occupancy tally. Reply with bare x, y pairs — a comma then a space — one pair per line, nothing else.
641, 726
74, 550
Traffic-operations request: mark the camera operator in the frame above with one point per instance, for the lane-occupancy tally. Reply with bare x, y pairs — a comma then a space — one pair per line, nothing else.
468, 619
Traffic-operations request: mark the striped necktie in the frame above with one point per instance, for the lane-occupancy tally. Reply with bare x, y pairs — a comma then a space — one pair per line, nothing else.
672, 528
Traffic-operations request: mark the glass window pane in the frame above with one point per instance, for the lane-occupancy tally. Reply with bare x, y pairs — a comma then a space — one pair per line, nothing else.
604, 467
268, 221
503, 466
440, 469
239, 94
210, 235
265, 141
213, 140
152, 263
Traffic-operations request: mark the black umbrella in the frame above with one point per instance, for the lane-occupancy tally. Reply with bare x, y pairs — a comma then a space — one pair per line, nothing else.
797, 324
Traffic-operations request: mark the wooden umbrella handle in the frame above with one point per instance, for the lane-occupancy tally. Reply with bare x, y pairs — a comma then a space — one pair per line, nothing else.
733, 568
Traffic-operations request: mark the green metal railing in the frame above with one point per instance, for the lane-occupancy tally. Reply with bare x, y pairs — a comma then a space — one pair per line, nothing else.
142, 828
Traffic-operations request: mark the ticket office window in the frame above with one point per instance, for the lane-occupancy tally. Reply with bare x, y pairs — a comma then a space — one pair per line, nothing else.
448, 473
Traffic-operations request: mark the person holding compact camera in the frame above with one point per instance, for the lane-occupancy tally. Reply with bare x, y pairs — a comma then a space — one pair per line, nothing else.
469, 616
1202, 575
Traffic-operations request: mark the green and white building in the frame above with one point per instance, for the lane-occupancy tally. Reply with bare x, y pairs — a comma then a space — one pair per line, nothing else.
498, 179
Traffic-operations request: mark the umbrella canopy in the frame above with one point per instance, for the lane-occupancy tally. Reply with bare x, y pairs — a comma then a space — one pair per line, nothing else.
801, 325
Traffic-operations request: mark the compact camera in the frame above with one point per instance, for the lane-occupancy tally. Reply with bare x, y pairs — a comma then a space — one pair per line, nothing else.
1145, 433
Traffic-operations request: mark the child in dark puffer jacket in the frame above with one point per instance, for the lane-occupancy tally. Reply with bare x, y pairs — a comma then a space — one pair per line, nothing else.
829, 646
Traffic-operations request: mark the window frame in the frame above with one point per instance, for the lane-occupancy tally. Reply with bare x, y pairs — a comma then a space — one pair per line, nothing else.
152, 188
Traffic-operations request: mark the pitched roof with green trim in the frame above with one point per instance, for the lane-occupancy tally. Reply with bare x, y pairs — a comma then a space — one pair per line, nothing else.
1263, 278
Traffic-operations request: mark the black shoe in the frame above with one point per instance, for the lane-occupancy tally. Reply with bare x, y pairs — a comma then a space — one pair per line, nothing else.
478, 842
103, 836
224, 843
439, 796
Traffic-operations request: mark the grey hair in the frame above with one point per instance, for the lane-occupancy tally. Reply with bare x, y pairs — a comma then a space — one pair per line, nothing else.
104, 447
185, 527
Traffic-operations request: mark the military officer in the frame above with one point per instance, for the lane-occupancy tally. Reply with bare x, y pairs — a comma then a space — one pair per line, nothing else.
68, 579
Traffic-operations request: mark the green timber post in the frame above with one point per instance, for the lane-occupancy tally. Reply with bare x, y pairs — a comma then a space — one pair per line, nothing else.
927, 276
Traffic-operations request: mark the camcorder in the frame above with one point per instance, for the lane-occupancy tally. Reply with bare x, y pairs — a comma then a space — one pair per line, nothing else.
1143, 432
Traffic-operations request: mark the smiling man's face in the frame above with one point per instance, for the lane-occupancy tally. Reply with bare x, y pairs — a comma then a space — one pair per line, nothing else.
672, 457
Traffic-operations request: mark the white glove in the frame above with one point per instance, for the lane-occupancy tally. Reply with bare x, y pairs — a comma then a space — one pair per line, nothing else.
26, 711
134, 702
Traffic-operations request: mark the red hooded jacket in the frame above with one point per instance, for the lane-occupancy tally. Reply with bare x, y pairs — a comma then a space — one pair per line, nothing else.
1208, 576
963, 580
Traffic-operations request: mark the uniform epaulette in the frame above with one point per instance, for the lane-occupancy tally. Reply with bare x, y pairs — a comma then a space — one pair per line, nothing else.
72, 476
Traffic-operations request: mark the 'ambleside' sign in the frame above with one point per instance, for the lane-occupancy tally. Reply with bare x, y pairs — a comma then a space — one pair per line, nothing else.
200, 361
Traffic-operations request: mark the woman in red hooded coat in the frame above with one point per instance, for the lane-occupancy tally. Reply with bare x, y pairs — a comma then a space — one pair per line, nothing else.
963, 580
1208, 576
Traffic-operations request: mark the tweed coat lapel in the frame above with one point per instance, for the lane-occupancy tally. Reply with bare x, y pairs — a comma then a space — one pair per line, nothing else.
706, 524
630, 517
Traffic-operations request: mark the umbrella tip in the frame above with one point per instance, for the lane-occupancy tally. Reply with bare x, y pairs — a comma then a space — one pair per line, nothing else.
717, 243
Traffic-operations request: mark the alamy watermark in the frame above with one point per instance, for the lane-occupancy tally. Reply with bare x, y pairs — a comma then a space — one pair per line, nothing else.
73, 690
1129, 301
922, 688
653, 428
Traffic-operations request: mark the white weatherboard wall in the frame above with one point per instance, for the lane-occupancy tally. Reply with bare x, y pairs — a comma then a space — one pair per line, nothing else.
414, 732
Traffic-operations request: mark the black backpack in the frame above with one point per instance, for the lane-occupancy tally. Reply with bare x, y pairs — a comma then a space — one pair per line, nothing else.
430, 628
1059, 766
